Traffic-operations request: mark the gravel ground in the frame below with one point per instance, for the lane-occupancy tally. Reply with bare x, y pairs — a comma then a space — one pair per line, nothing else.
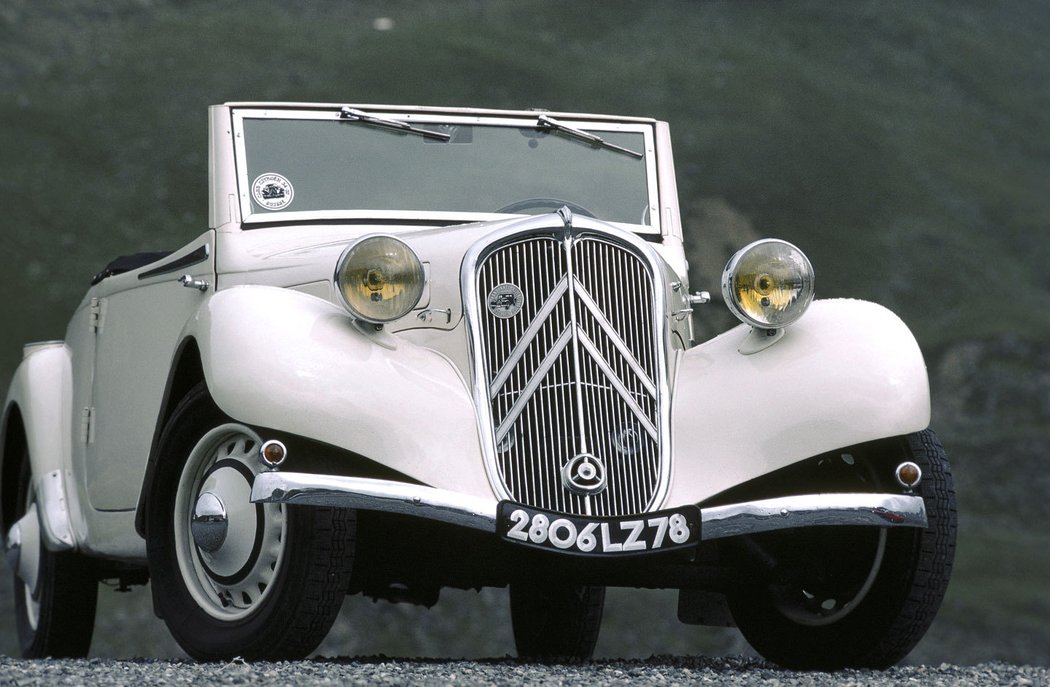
659, 670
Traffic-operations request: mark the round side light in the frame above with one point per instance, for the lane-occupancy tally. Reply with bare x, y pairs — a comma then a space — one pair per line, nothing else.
272, 453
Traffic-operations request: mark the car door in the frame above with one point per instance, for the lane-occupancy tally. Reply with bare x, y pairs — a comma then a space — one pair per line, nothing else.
138, 318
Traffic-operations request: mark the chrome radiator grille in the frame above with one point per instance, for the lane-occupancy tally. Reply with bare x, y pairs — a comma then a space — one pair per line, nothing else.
572, 372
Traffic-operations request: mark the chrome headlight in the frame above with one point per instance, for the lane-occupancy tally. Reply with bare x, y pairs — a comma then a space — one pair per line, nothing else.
768, 284
379, 279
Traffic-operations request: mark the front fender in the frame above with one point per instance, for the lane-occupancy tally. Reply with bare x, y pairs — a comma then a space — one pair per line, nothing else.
289, 361
847, 372
42, 393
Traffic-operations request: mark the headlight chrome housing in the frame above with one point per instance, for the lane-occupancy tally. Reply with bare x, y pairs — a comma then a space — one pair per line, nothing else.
379, 279
768, 284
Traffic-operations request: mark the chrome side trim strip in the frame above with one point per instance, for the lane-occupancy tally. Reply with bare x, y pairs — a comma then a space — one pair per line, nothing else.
879, 510
299, 488
874, 510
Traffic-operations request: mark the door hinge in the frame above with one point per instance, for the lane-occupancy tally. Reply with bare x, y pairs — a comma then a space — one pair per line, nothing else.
87, 426
96, 314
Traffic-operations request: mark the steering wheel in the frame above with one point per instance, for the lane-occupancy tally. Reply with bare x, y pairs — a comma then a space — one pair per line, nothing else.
553, 204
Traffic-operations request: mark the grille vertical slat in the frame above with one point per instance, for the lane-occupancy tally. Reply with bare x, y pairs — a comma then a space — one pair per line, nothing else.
574, 370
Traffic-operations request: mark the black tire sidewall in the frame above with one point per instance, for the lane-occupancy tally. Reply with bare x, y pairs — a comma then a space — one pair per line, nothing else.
556, 621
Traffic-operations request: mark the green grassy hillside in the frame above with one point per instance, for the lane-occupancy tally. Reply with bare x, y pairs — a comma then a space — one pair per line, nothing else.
904, 146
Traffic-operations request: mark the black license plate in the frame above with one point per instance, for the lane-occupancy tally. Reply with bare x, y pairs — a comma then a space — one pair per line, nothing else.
665, 530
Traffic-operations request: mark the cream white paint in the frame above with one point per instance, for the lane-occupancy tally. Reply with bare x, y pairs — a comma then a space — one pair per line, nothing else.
285, 360
847, 372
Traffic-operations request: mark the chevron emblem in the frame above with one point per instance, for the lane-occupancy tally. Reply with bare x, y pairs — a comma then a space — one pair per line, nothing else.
572, 336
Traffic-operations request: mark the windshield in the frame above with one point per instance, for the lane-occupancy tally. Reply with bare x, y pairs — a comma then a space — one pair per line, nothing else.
319, 165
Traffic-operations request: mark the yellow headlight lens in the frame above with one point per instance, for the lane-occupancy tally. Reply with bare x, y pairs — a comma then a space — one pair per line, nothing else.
768, 284
379, 279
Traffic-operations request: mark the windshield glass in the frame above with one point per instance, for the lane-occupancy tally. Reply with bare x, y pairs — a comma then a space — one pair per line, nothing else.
331, 167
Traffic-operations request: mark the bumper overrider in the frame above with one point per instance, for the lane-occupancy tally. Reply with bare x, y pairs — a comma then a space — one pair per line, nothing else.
716, 522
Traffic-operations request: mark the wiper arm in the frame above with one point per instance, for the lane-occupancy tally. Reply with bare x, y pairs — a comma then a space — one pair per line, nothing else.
361, 116
546, 122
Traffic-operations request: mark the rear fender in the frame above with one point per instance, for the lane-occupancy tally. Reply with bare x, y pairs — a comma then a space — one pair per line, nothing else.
41, 394
295, 363
847, 372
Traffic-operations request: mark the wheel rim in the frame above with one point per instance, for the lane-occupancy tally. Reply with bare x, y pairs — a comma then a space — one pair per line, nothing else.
836, 567
826, 599
230, 555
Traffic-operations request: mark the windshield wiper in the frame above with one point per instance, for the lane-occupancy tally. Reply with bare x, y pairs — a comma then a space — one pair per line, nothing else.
546, 122
353, 115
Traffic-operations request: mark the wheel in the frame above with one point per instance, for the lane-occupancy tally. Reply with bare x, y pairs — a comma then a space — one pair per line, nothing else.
55, 592
232, 578
552, 204
556, 621
854, 597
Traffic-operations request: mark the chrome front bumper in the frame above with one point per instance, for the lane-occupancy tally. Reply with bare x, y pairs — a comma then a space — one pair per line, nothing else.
297, 488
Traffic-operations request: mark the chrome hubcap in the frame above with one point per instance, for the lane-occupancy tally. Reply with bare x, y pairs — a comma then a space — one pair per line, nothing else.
209, 524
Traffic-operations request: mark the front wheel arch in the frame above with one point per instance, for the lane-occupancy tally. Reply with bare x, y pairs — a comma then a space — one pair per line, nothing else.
187, 372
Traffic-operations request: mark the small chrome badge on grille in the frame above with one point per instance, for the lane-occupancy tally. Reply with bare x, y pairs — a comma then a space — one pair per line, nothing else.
584, 474
505, 300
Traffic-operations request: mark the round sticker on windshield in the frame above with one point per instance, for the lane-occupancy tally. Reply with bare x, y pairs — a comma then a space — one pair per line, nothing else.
272, 191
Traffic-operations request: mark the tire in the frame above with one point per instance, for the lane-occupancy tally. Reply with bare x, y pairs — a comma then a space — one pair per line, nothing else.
56, 621
258, 581
854, 597
552, 621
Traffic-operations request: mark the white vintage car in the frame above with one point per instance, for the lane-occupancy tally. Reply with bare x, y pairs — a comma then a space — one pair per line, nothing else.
441, 347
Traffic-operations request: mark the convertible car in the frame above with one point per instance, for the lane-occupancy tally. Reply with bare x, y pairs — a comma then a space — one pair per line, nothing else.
419, 348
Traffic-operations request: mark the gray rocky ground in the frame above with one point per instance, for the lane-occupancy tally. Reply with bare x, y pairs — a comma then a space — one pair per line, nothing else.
385, 671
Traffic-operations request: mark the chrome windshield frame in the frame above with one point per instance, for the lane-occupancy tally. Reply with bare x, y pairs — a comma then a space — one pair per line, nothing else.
251, 218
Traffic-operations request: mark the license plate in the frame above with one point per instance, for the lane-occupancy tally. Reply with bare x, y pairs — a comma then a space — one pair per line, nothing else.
665, 530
